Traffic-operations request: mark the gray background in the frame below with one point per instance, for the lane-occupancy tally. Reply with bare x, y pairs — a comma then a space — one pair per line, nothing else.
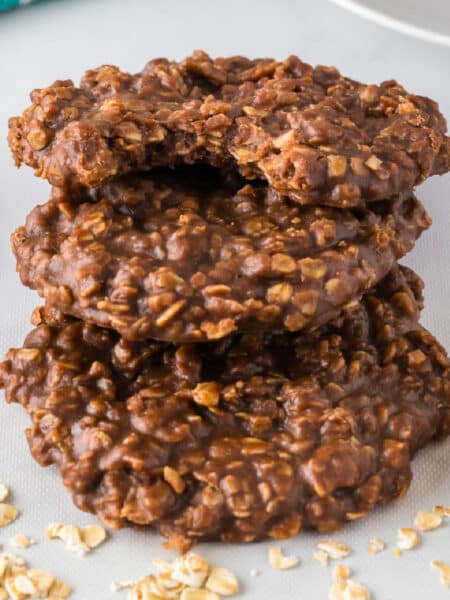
59, 39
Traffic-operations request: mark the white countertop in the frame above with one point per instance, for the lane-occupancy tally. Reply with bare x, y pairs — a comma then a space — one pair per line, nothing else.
59, 39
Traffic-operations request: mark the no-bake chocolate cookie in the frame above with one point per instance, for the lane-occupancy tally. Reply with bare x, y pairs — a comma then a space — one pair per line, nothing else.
249, 437
187, 256
309, 132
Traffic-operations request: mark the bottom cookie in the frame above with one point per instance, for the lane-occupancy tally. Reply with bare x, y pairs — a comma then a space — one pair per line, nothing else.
253, 436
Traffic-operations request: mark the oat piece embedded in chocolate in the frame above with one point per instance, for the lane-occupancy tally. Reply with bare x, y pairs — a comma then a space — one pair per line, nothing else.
309, 132
292, 431
189, 256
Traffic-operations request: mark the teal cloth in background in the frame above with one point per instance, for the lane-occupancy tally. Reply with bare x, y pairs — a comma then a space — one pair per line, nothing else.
6, 4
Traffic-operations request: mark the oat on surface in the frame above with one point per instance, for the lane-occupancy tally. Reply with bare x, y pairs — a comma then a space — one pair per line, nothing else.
341, 572
8, 514
196, 594
322, 557
376, 545
191, 570
189, 576
278, 560
335, 550
21, 541
444, 570
4, 492
222, 582
443, 511
348, 589
407, 538
21, 582
426, 521
79, 540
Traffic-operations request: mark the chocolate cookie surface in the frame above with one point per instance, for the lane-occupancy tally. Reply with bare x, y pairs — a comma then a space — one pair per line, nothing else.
249, 437
188, 256
309, 132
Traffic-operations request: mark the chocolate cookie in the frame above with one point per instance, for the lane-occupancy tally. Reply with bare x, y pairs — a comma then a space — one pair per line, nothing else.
249, 437
187, 256
309, 132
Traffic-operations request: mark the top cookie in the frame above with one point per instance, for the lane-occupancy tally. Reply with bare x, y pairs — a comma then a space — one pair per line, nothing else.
311, 133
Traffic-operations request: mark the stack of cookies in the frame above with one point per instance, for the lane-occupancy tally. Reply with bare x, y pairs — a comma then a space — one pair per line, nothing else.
228, 347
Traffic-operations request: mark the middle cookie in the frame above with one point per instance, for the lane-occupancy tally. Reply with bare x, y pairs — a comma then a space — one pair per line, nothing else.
187, 256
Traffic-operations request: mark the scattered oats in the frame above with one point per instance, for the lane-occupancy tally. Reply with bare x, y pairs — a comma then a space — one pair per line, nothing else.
8, 514
70, 535
322, 557
188, 577
162, 565
118, 586
255, 573
444, 570
443, 511
426, 521
338, 589
196, 594
335, 550
341, 572
10, 565
397, 552
4, 492
18, 582
79, 540
21, 541
277, 559
376, 545
93, 535
45, 583
407, 538
222, 582
24, 585
191, 570
59, 591
161, 586
348, 589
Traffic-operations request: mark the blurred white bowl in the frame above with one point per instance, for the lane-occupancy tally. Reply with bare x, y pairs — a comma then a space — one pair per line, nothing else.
424, 19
